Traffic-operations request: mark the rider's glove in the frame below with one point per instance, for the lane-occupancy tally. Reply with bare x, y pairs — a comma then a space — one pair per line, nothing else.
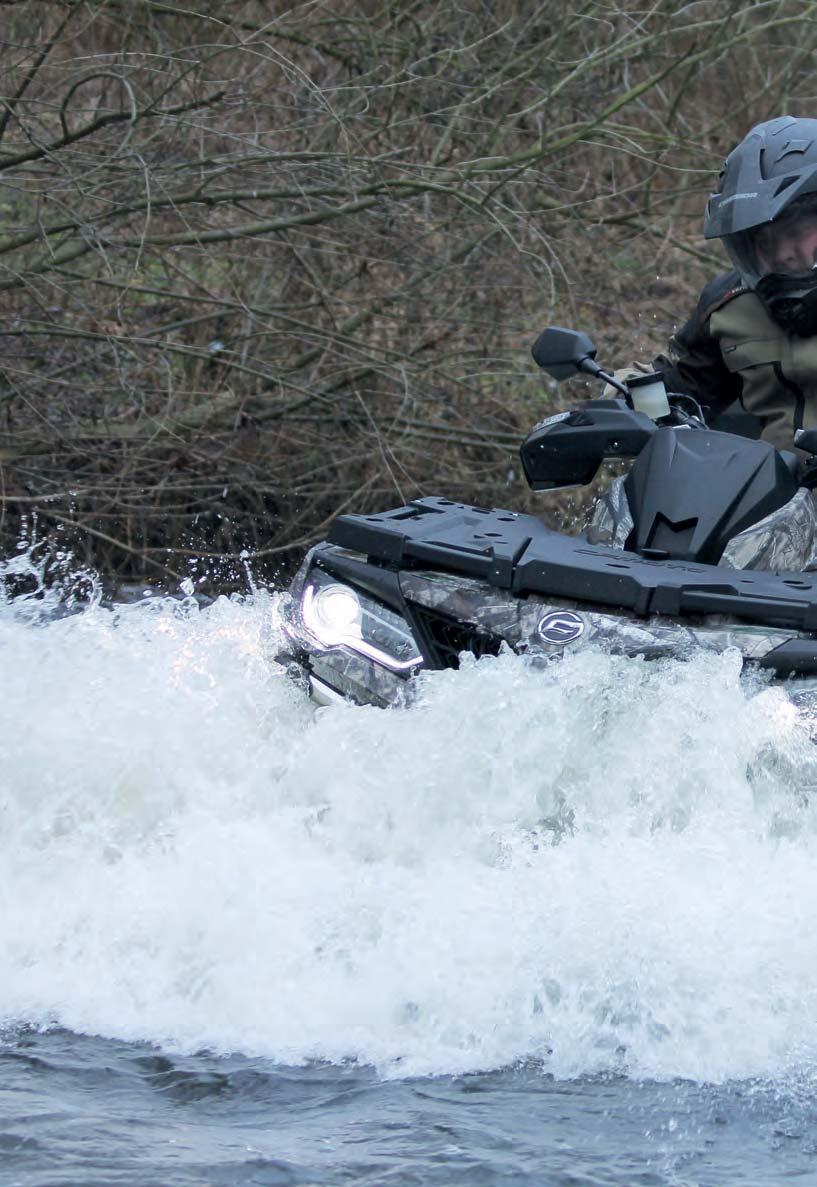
624, 376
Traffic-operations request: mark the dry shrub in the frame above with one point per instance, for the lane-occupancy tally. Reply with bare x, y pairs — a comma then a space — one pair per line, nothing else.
263, 264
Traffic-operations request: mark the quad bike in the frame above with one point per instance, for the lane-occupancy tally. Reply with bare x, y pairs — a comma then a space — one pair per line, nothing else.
707, 542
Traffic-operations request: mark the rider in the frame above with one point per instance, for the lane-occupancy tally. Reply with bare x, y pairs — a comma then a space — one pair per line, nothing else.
753, 335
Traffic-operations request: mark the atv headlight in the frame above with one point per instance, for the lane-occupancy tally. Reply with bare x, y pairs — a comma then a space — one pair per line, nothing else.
335, 612
336, 615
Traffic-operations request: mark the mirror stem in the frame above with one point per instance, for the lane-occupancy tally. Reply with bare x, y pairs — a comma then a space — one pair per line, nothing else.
592, 368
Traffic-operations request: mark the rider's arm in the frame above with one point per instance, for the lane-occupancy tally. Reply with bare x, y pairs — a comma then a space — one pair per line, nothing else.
693, 362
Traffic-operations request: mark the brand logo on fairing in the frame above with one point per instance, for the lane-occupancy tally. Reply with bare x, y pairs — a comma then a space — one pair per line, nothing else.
560, 627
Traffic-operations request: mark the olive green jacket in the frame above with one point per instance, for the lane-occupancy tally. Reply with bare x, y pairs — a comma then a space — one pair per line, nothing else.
732, 349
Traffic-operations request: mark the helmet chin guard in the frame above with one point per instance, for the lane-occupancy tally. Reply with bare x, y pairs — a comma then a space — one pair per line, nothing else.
792, 305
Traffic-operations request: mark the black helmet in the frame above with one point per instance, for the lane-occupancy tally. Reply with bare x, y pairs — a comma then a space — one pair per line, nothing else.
765, 211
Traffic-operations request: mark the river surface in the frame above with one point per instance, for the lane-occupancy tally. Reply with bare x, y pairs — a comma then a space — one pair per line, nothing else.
546, 927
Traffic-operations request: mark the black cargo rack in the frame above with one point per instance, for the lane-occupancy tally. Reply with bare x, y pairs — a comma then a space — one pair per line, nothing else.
518, 553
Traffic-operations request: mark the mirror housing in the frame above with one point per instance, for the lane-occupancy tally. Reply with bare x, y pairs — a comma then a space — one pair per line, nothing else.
563, 352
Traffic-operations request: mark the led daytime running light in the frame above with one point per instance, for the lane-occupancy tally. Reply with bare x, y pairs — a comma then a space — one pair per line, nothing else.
348, 633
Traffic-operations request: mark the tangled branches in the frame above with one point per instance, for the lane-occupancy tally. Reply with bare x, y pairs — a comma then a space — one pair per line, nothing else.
260, 264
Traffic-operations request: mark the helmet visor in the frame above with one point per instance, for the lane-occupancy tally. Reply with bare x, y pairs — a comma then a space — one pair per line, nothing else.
786, 247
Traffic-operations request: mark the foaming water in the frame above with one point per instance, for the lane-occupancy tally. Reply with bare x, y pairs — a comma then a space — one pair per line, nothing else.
601, 865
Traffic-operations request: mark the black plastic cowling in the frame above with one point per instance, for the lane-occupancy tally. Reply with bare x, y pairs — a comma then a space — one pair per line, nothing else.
691, 491
567, 449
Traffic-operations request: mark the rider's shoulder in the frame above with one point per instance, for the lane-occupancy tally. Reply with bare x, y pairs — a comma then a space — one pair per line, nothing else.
718, 292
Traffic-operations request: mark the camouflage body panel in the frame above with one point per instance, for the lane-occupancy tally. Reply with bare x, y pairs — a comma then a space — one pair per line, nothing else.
611, 521
516, 621
468, 600
784, 542
359, 679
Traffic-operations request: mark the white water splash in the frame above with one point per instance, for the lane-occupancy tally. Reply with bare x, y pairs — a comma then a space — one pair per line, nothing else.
605, 864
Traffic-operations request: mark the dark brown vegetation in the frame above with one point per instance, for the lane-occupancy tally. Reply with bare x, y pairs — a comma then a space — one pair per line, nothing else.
262, 263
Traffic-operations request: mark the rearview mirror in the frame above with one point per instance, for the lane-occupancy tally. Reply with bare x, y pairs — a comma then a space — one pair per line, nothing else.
563, 352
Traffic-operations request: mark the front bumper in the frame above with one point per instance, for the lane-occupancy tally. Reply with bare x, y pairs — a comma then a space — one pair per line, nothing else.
445, 614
